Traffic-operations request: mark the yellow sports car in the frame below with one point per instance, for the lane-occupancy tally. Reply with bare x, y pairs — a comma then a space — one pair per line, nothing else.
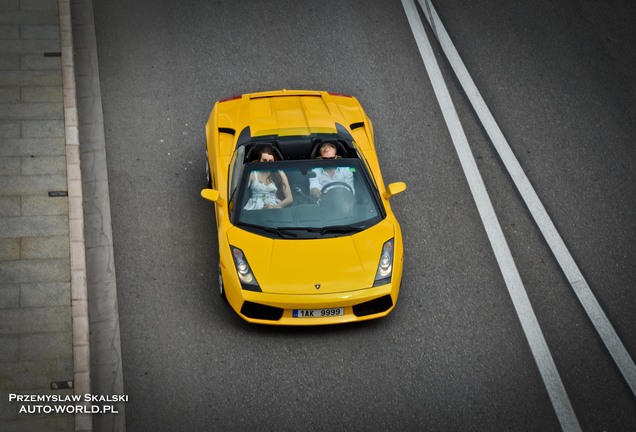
306, 233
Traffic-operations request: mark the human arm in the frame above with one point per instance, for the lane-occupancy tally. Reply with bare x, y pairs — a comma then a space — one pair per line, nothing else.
287, 191
348, 178
315, 186
287, 194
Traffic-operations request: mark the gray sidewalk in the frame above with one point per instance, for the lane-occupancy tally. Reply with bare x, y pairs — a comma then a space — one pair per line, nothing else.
44, 338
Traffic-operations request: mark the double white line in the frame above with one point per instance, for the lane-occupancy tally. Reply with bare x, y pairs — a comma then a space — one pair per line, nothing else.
538, 345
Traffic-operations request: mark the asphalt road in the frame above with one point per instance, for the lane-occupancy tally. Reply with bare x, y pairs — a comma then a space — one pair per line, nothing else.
558, 77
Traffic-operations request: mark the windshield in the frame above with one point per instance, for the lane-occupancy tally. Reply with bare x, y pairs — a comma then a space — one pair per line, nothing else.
306, 198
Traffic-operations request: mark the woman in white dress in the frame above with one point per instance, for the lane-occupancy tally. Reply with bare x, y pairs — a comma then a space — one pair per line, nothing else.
270, 189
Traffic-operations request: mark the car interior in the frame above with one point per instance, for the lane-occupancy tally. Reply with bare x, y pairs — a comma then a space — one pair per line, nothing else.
337, 206
295, 148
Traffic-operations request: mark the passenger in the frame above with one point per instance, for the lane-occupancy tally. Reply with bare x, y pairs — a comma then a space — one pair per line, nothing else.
270, 189
325, 176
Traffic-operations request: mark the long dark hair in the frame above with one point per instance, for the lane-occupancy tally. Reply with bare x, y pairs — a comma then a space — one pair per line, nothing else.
274, 176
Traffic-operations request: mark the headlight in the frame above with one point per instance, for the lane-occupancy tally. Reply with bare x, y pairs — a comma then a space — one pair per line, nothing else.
385, 267
244, 271
248, 281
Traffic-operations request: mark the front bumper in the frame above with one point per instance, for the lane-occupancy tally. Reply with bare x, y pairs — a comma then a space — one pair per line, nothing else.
277, 309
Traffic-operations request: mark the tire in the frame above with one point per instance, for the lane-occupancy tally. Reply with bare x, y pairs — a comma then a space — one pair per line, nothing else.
208, 177
221, 288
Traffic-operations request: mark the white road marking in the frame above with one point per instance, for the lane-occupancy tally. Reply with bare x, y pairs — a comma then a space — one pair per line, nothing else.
528, 319
580, 286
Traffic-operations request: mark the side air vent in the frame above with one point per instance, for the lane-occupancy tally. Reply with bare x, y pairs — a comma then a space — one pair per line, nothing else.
356, 125
228, 131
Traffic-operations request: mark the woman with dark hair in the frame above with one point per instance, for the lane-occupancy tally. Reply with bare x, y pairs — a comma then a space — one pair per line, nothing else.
270, 189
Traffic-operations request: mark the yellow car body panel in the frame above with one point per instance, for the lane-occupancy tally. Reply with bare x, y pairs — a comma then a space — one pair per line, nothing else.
287, 113
297, 266
336, 272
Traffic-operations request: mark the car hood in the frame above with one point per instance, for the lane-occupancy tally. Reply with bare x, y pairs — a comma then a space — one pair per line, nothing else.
313, 266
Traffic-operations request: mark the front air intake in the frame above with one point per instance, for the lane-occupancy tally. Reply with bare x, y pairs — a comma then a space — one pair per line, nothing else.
381, 304
259, 311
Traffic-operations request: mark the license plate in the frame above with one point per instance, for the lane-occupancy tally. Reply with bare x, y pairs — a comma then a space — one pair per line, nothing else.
318, 313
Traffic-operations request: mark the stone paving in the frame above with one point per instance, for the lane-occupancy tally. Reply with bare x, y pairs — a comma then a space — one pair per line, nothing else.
37, 298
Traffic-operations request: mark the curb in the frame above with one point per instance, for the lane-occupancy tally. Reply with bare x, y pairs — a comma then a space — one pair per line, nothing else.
106, 371
79, 289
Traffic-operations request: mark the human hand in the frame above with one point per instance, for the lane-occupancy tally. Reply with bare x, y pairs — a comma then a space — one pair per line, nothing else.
315, 194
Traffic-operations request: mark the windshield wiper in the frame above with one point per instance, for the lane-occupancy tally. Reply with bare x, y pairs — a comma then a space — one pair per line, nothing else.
289, 231
334, 229
339, 229
281, 232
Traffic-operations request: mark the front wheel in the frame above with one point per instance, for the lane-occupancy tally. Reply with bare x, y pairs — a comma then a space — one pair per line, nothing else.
221, 288
208, 177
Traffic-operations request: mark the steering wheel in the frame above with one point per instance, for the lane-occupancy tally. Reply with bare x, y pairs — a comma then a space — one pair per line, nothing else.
328, 186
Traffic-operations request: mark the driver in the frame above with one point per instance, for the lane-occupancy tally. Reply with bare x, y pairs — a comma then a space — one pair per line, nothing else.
324, 176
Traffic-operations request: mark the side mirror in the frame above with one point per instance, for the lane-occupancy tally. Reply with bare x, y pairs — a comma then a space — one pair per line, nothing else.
394, 189
211, 195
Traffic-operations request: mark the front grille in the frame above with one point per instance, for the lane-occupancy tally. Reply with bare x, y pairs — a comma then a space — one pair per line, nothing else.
374, 306
259, 311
